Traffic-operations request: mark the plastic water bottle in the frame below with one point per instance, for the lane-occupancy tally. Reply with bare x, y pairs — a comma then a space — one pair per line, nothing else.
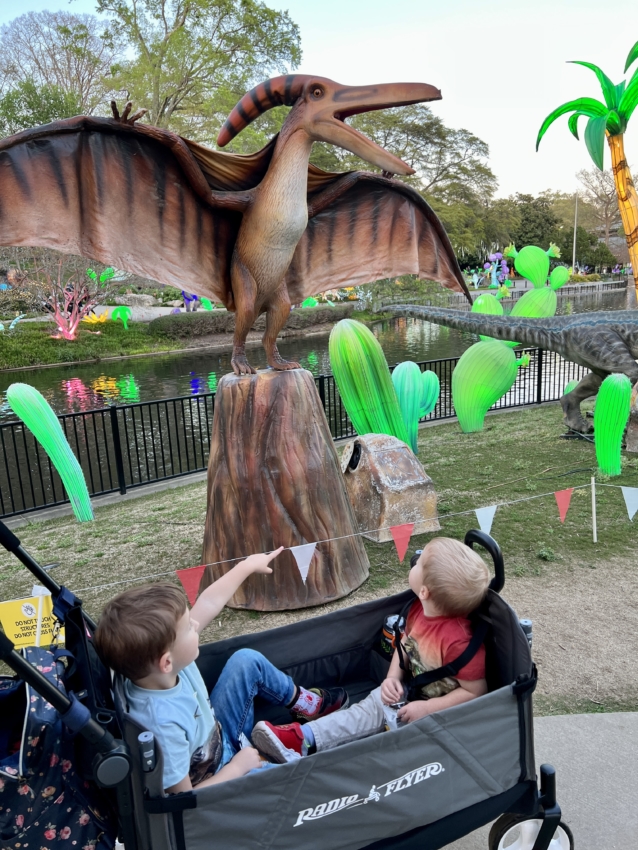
146, 743
526, 625
387, 638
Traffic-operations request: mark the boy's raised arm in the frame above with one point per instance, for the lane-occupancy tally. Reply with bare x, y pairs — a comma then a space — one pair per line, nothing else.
214, 598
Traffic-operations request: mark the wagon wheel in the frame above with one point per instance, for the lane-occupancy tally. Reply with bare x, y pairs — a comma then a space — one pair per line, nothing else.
516, 832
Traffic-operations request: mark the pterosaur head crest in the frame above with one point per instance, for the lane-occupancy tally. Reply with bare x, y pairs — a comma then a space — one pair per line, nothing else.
321, 107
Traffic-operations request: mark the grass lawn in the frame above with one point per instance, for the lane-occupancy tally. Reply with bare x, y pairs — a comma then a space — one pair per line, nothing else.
31, 344
581, 596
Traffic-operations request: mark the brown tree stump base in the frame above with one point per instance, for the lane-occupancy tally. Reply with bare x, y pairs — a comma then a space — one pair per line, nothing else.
274, 479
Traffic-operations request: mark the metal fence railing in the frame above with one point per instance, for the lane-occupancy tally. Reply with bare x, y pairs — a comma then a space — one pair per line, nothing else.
125, 446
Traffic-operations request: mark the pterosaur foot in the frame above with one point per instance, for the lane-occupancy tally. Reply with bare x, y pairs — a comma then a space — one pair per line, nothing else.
277, 362
241, 366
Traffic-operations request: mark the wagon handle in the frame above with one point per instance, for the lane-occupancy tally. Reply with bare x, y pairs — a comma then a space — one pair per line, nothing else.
491, 546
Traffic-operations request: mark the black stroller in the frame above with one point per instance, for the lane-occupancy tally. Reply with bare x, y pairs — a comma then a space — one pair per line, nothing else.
422, 786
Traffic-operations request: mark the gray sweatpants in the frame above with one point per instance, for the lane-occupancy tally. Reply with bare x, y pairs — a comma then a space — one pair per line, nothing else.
361, 720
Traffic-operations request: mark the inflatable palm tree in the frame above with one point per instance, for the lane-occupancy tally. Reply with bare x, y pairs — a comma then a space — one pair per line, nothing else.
609, 119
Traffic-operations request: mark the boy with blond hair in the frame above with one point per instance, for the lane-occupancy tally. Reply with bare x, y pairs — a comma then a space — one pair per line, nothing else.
149, 636
450, 581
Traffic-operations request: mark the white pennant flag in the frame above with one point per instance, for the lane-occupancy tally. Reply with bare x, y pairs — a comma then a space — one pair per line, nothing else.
303, 557
485, 517
631, 500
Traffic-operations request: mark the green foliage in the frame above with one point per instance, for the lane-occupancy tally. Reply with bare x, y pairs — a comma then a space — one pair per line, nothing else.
538, 221
418, 393
610, 419
546, 554
484, 373
35, 411
589, 250
584, 278
631, 56
363, 379
28, 105
192, 61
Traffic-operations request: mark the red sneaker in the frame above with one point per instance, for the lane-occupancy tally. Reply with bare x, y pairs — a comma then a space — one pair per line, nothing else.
281, 743
331, 699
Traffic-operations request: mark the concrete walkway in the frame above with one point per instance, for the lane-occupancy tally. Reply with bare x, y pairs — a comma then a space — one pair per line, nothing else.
596, 761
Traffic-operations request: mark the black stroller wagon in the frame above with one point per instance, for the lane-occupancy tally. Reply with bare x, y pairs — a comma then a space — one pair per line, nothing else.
417, 788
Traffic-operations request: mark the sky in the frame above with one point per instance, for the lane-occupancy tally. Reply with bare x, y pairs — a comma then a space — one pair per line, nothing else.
500, 64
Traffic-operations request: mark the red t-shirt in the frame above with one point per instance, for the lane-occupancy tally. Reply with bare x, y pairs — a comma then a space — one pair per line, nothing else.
431, 642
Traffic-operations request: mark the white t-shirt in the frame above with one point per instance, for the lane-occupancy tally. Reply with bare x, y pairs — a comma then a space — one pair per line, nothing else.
183, 722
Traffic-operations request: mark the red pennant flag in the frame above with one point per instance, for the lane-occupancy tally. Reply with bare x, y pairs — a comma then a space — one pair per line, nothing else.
401, 535
190, 579
563, 498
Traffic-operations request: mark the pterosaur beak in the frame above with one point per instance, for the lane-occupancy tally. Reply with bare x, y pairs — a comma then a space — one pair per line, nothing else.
338, 102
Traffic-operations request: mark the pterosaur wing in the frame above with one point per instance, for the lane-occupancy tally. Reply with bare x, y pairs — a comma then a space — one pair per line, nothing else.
129, 196
378, 228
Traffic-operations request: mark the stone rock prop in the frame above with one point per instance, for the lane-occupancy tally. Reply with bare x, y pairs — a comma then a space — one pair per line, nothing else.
136, 299
387, 486
274, 479
631, 434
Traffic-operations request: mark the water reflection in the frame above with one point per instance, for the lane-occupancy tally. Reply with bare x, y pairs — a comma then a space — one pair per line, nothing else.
75, 388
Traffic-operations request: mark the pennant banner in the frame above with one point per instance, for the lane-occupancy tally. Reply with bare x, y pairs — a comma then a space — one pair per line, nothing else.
401, 535
563, 498
630, 495
485, 517
303, 557
190, 579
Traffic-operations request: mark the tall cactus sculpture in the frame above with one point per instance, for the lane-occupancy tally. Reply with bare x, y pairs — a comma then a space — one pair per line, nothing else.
363, 378
610, 420
36, 413
417, 393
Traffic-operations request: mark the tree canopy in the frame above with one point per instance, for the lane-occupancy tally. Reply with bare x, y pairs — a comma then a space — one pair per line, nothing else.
58, 49
27, 105
192, 59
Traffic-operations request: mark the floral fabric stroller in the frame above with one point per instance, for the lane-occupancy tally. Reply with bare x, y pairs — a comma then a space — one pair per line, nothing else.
422, 786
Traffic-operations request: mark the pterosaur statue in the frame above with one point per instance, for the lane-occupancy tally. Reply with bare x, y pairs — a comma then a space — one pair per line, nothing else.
256, 232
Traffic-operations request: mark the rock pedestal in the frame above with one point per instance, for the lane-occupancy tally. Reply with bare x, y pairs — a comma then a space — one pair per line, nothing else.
274, 479
388, 486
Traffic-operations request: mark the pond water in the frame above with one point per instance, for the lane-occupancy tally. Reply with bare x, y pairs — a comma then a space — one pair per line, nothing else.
76, 388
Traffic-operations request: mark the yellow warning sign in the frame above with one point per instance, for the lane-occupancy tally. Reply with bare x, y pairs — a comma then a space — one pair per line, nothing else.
20, 617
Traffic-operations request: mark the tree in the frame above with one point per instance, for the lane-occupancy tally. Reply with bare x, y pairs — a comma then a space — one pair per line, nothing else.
58, 49
600, 194
563, 205
64, 286
28, 105
195, 58
451, 166
608, 120
539, 224
590, 251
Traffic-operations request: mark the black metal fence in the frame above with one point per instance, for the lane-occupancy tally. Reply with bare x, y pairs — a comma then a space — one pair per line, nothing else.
126, 446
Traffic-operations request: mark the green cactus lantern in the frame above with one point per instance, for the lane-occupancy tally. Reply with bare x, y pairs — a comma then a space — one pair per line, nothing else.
36, 413
417, 393
485, 372
363, 378
489, 305
123, 314
610, 420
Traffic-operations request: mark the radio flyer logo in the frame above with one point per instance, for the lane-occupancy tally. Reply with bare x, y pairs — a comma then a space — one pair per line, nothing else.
376, 794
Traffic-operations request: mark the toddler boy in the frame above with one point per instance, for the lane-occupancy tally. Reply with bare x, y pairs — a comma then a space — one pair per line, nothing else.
450, 580
148, 635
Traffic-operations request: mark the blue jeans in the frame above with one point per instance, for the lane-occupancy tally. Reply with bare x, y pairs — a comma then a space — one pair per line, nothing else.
246, 674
